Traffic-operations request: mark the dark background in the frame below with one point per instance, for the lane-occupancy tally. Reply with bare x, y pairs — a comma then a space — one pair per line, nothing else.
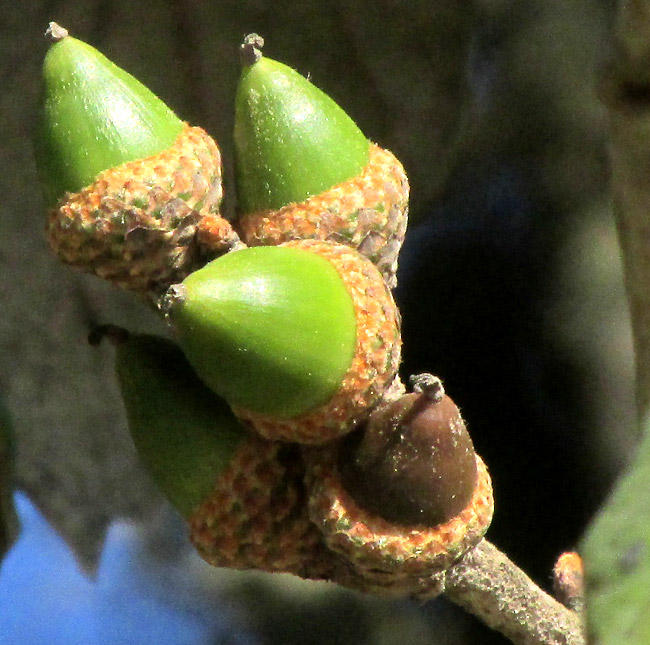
509, 284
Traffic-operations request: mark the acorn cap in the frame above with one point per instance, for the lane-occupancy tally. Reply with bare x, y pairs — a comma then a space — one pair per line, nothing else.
301, 339
256, 517
291, 139
368, 212
385, 552
128, 182
243, 497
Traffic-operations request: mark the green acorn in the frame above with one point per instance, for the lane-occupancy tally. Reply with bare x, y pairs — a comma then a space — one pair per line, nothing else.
305, 170
133, 192
404, 497
243, 497
301, 339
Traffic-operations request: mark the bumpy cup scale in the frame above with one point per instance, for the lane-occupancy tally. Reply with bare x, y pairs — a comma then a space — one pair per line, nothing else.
305, 170
301, 339
133, 192
243, 497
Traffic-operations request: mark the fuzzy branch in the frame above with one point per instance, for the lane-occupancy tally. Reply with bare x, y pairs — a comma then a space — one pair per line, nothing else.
627, 96
490, 586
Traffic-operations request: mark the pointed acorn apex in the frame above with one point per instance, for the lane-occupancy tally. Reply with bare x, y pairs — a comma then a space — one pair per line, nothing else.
95, 116
301, 339
292, 141
128, 184
305, 170
405, 496
242, 496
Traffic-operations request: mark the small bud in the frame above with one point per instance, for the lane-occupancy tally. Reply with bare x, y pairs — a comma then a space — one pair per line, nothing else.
568, 581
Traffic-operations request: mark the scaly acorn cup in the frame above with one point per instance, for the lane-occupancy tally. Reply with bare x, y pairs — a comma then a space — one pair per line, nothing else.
406, 496
133, 192
305, 170
301, 339
243, 497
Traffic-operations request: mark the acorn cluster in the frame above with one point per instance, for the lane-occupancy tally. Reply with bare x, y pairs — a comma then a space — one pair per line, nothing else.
275, 420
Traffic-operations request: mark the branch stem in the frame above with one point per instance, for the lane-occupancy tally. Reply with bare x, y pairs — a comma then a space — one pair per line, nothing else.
489, 585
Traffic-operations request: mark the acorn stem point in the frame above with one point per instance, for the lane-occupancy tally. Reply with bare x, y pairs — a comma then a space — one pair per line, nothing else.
55, 32
427, 384
116, 335
250, 51
175, 295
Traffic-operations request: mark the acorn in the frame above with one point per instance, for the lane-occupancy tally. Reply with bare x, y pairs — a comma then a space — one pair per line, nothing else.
133, 192
305, 170
243, 497
404, 497
301, 339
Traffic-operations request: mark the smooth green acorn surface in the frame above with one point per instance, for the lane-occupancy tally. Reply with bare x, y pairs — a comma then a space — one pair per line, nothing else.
94, 116
270, 329
291, 139
184, 434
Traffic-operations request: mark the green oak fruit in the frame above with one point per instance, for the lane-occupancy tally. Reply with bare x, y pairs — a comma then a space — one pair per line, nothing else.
291, 139
133, 192
305, 170
94, 116
242, 496
301, 339
184, 434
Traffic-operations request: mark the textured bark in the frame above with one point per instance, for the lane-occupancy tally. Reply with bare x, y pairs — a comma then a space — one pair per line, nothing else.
490, 586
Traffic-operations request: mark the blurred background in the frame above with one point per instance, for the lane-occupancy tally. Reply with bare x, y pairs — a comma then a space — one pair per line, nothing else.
510, 289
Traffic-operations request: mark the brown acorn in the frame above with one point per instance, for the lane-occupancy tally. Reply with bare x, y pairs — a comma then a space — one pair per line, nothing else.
405, 497
133, 192
305, 170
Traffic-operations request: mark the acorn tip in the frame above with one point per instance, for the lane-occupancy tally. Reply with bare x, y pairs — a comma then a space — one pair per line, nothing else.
174, 296
55, 32
429, 385
250, 51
